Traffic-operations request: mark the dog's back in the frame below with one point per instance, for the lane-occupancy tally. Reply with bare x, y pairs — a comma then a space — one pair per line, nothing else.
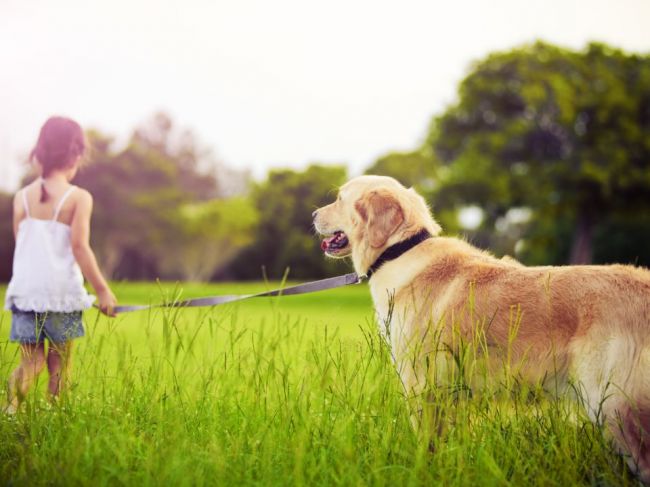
584, 325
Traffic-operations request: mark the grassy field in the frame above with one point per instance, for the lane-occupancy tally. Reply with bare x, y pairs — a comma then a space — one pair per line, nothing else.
289, 391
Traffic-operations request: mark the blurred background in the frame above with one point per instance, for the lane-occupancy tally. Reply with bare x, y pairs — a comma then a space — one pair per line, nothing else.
217, 127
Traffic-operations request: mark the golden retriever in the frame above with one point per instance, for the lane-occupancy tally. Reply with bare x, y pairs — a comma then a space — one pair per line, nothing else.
572, 327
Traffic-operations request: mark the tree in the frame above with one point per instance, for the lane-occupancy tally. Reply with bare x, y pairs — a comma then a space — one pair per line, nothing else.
196, 166
158, 207
214, 232
285, 238
416, 168
137, 207
563, 133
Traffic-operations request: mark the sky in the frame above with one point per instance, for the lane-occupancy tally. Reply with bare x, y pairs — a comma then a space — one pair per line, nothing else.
265, 84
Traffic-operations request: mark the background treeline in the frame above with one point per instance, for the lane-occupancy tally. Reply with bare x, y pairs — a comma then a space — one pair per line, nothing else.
545, 155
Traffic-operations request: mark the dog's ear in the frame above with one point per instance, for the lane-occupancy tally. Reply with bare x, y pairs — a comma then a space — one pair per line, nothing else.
382, 213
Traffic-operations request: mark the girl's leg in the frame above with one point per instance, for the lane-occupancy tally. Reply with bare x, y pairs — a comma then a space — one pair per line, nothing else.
32, 362
58, 365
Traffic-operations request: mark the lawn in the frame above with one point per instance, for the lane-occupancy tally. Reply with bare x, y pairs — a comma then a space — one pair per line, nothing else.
272, 391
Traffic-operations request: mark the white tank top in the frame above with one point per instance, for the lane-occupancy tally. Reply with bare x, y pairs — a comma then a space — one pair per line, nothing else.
46, 276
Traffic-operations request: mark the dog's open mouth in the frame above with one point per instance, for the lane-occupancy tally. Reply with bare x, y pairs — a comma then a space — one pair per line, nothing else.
335, 243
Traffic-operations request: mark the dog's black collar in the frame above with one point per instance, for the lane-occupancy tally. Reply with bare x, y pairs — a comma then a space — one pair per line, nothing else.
396, 250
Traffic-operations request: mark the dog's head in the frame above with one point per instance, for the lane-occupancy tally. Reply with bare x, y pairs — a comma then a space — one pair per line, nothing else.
370, 214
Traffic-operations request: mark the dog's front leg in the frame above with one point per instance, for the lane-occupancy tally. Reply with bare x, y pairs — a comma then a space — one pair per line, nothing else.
431, 391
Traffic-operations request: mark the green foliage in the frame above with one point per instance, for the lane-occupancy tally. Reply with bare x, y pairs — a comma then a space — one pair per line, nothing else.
561, 132
160, 209
413, 169
137, 201
195, 166
157, 214
284, 238
213, 233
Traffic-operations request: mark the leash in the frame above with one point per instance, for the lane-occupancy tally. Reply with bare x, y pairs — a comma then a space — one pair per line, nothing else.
309, 287
391, 253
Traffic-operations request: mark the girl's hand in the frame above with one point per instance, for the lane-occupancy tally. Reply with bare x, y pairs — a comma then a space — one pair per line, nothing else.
107, 302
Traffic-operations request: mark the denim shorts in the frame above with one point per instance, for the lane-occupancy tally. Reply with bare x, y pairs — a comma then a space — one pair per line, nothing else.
32, 327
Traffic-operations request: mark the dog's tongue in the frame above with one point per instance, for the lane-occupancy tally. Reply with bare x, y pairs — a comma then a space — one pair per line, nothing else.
327, 242
335, 242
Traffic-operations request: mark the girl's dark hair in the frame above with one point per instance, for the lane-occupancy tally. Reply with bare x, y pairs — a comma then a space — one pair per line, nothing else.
60, 142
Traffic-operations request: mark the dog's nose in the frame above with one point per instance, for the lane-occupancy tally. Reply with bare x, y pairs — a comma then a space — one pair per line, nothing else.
315, 212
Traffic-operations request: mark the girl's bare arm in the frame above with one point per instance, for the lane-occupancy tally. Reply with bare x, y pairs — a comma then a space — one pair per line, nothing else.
80, 239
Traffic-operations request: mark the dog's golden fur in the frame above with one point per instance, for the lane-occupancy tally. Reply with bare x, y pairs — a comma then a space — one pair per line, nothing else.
587, 325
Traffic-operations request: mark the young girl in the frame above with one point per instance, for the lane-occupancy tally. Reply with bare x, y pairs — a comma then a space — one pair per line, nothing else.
46, 294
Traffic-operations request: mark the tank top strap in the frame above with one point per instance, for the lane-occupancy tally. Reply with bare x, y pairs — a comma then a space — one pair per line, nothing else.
59, 205
25, 204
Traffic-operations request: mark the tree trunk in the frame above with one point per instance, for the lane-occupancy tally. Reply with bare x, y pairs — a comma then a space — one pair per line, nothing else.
581, 247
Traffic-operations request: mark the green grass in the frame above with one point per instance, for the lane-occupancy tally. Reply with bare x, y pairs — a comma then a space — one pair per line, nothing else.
289, 391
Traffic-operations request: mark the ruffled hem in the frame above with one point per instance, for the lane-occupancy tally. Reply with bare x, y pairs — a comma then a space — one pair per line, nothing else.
64, 304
